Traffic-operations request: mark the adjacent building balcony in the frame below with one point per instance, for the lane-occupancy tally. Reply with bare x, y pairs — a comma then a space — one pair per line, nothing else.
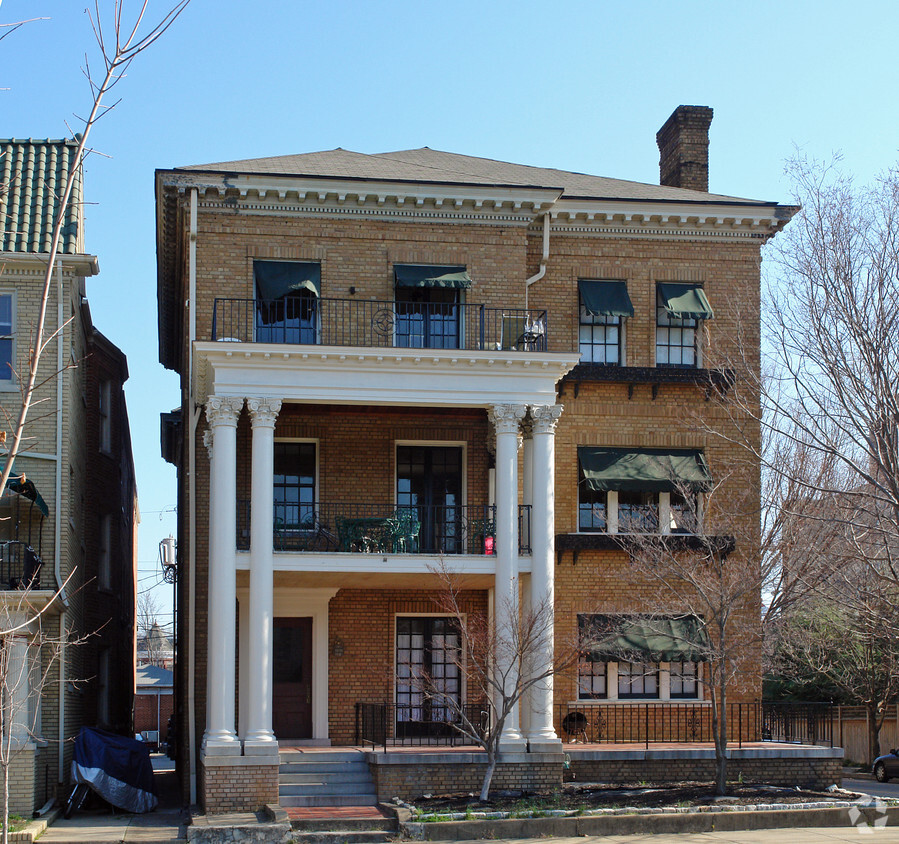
307, 320
372, 528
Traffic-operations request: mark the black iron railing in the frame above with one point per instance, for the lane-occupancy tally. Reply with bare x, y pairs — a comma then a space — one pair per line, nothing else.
305, 320
684, 722
20, 566
384, 528
418, 725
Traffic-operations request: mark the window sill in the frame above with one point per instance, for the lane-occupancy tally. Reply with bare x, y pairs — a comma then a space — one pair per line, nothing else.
577, 542
719, 380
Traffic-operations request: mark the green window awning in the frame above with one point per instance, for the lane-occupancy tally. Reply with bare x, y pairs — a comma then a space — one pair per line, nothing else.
685, 301
276, 279
605, 298
620, 638
21, 485
422, 275
643, 470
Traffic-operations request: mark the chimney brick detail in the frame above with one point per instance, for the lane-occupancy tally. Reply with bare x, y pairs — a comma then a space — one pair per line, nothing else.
684, 148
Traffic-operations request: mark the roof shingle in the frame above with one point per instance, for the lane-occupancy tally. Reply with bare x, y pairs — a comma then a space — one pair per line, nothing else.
32, 180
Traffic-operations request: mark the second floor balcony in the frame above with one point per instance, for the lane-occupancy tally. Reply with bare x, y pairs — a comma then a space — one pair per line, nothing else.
309, 320
372, 528
20, 566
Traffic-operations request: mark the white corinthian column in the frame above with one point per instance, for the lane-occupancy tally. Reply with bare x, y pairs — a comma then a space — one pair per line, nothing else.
222, 414
541, 731
506, 418
259, 737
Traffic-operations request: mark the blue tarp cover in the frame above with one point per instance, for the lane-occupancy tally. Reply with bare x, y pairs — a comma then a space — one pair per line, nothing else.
117, 768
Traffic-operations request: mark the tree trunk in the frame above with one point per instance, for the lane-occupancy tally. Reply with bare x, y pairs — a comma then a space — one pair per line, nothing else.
874, 725
488, 775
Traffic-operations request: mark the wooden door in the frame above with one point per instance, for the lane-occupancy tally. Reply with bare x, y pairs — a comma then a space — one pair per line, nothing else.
292, 678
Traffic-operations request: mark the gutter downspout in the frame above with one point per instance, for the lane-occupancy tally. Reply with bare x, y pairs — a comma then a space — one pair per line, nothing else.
192, 503
542, 271
57, 531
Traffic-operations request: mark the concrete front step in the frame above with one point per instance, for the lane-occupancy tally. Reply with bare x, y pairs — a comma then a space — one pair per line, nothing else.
327, 800
343, 824
325, 778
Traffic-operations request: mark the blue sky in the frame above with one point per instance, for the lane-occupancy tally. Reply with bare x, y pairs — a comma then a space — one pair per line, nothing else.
579, 86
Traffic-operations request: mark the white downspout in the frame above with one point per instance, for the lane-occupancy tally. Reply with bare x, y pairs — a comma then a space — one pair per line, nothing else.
542, 271
57, 532
192, 504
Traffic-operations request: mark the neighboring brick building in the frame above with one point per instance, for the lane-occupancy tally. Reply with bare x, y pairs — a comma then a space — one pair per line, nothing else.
153, 702
361, 340
71, 519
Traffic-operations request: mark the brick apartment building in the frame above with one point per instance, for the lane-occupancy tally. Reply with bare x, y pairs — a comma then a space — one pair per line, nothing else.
396, 359
67, 541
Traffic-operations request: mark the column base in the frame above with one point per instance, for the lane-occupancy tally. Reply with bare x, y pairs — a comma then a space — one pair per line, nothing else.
260, 747
544, 744
221, 745
513, 744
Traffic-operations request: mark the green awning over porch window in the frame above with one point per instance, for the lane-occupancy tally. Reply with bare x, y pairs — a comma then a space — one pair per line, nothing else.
643, 470
620, 638
25, 487
605, 298
422, 275
276, 279
685, 301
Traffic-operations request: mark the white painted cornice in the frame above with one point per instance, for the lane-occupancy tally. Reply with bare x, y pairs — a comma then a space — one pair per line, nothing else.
346, 563
35, 263
379, 376
669, 220
354, 198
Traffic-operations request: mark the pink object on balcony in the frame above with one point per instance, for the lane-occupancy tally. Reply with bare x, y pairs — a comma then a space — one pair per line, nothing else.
488, 544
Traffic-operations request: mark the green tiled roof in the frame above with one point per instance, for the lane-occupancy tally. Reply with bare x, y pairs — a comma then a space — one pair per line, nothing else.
32, 179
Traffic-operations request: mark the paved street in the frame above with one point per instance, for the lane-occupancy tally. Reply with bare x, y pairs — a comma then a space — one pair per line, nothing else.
872, 787
768, 836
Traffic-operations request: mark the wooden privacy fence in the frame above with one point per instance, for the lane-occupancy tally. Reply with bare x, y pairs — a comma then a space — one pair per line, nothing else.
851, 732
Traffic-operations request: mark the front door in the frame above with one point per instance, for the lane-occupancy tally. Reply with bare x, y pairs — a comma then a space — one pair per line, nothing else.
292, 678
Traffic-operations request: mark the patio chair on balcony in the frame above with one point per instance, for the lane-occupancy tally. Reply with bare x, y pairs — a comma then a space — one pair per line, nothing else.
406, 529
522, 335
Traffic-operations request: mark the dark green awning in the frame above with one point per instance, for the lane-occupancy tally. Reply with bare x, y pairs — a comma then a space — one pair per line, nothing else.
25, 487
685, 301
421, 275
605, 298
276, 279
645, 470
611, 638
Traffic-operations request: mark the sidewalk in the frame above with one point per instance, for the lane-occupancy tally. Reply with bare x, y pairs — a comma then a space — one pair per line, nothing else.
165, 825
844, 835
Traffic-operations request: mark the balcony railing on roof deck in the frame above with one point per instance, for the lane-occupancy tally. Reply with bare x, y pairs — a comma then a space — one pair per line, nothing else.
20, 566
306, 320
369, 528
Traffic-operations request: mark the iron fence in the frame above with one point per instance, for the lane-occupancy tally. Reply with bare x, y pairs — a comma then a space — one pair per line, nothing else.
371, 528
20, 566
306, 320
688, 722
418, 725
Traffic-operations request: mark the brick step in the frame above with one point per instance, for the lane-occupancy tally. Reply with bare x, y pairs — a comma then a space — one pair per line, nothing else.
343, 824
337, 837
295, 777
328, 800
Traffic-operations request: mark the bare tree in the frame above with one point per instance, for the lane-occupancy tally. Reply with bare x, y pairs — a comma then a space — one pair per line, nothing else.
117, 53
497, 665
149, 634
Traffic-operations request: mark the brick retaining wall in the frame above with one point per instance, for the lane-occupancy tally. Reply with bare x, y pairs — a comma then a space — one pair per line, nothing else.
239, 787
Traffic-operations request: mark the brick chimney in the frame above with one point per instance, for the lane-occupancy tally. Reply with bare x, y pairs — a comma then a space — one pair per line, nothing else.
684, 148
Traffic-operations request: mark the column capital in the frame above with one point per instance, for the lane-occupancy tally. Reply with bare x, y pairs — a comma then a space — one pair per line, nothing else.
208, 438
545, 417
263, 412
223, 410
506, 417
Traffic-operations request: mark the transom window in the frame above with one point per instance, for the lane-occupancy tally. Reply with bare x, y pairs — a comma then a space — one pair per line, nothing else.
294, 484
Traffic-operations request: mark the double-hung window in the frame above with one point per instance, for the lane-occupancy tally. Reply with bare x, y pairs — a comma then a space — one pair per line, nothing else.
603, 308
294, 485
7, 340
680, 311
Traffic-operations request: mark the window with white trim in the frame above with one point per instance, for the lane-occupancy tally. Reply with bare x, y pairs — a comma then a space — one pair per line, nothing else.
7, 339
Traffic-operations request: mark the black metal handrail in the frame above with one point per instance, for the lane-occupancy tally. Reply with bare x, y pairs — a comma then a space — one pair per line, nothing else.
20, 566
306, 320
688, 722
371, 528
418, 725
